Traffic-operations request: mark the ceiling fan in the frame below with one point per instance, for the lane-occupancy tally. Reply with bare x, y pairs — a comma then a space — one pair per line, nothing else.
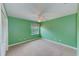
40, 17
40, 12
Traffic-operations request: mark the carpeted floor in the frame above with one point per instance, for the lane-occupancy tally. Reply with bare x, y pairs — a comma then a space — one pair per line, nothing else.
40, 48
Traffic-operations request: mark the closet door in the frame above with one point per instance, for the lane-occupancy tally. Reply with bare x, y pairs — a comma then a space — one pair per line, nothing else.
4, 40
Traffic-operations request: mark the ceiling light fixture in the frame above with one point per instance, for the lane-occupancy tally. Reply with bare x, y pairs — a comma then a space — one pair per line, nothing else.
41, 18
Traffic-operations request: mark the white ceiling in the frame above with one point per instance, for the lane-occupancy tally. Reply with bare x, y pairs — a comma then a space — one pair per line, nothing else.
31, 11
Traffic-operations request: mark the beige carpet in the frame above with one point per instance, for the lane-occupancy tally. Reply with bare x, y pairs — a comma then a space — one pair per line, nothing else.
40, 48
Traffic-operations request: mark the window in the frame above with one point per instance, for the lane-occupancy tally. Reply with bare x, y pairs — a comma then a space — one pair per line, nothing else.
35, 29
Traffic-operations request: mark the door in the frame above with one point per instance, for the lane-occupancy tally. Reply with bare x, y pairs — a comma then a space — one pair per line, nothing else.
4, 32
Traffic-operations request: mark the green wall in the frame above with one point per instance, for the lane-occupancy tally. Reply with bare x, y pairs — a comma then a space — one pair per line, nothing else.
61, 30
19, 30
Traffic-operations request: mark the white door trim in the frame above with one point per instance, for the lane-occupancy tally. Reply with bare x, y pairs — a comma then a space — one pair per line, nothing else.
4, 32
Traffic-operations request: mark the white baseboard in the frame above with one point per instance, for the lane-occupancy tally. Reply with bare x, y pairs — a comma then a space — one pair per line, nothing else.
46, 40
61, 44
22, 42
